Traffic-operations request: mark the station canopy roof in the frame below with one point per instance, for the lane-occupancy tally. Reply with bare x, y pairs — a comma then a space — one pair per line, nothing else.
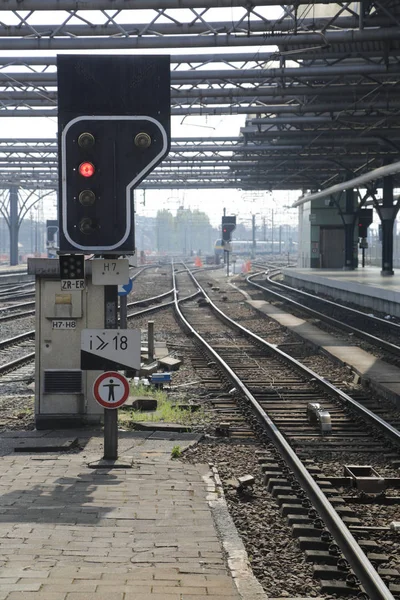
317, 83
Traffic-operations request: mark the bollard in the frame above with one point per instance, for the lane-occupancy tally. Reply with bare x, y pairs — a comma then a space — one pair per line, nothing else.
150, 341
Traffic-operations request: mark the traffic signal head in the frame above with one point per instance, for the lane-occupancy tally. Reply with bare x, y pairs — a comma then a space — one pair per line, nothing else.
362, 231
365, 218
228, 225
103, 159
114, 129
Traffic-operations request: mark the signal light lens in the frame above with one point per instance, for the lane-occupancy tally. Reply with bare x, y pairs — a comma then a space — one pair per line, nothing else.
86, 226
142, 140
87, 198
86, 140
86, 169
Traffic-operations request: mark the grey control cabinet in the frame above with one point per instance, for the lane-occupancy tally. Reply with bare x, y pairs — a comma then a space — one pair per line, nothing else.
63, 392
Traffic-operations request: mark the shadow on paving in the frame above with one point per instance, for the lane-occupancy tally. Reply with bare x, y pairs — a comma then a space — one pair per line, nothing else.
66, 500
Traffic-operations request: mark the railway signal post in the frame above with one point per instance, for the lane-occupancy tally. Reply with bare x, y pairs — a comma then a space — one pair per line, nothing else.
113, 130
228, 225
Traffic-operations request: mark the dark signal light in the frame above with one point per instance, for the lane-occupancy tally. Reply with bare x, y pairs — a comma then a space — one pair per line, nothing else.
87, 198
87, 226
86, 169
86, 140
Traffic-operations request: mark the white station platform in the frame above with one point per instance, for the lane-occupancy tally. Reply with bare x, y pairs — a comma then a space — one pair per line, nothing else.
363, 286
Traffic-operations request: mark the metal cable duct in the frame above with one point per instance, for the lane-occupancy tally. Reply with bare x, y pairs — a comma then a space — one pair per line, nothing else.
351, 183
227, 109
181, 28
233, 145
133, 4
200, 41
233, 94
231, 57
245, 75
251, 103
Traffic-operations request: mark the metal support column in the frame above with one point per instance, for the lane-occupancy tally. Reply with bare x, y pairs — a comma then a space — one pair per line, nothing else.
349, 222
110, 415
388, 215
14, 227
272, 231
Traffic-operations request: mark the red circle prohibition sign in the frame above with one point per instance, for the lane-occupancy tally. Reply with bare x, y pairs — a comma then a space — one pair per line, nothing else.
107, 389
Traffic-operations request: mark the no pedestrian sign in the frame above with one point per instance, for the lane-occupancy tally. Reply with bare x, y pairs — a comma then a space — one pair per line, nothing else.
111, 389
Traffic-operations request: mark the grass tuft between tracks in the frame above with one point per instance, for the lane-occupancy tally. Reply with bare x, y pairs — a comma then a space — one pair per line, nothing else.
166, 412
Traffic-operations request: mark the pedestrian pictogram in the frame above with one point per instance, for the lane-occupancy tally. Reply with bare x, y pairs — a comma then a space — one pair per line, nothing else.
111, 389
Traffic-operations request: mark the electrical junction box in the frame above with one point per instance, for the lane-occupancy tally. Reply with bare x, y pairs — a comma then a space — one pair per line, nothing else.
63, 392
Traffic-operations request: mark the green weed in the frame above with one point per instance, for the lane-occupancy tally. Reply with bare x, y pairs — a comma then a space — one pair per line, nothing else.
176, 452
166, 412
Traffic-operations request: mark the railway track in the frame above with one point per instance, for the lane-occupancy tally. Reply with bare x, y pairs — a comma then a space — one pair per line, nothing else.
279, 389
18, 349
16, 293
381, 334
10, 313
270, 391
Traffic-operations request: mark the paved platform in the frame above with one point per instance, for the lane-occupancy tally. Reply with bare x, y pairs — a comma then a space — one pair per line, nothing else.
149, 532
16, 274
14, 269
381, 376
363, 286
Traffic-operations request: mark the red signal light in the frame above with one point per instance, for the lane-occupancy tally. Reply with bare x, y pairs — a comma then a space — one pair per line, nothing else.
86, 169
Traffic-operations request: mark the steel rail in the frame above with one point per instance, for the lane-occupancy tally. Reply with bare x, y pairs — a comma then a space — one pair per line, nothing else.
152, 299
17, 363
13, 287
372, 339
18, 338
16, 306
361, 565
27, 313
163, 305
6, 296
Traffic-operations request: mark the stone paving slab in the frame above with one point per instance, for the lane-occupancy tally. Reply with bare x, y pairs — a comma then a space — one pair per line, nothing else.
47, 444
69, 532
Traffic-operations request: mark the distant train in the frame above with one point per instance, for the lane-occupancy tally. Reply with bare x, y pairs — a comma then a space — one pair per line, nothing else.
245, 247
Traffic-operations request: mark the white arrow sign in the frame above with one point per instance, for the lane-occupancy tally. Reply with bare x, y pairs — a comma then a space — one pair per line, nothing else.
110, 348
